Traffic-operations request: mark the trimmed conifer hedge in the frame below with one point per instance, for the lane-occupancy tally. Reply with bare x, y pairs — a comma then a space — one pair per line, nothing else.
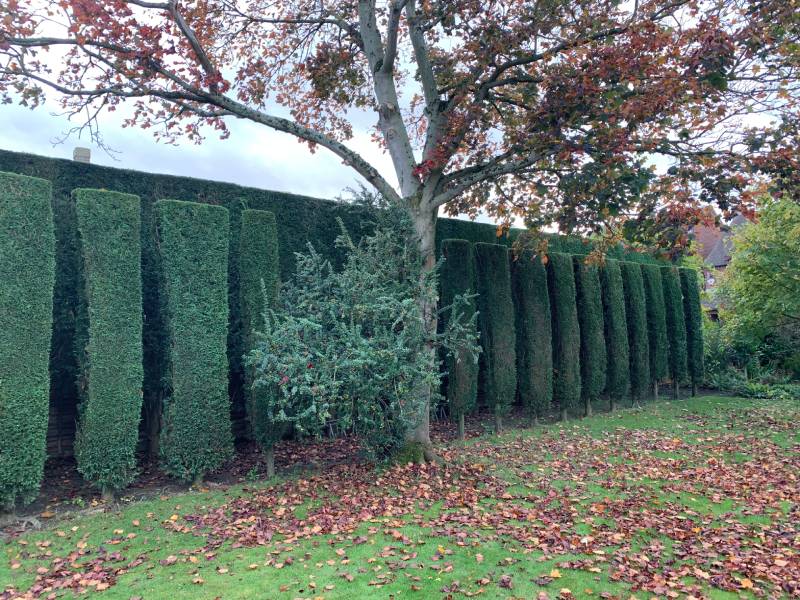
616, 332
259, 281
566, 333
457, 277
192, 240
676, 326
694, 326
27, 275
109, 337
534, 334
593, 342
638, 342
656, 324
498, 376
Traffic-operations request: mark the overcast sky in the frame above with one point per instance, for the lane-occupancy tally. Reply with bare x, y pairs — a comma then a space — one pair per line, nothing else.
253, 155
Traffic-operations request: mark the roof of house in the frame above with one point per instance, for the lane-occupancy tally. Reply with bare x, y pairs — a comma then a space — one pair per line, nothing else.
720, 254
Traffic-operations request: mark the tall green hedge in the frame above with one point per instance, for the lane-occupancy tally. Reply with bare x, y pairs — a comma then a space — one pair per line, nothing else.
27, 248
498, 376
638, 342
566, 333
534, 334
457, 277
676, 326
593, 342
193, 267
109, 337
656, 324
616, 330
694, 326
258, 284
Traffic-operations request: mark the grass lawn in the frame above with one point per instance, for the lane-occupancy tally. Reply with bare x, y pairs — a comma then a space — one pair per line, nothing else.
698, 498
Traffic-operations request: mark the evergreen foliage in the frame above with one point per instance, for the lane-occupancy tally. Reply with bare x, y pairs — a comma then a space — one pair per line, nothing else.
656, 324
593, 343
193, 250
457, 277
566, 333
636, 315
349, 347
498, 377
534, 334
258, 285
676, 326
694, 326
109, 337
27, 247
616, 332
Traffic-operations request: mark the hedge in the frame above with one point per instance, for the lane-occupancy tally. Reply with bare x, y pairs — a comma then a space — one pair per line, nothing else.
534, 334
498, 377
616, 332
636, 315
456, 277
593, 342
694, 326
656, 324
566, 333
193, 271
109, 337
676, 326
27, 248
258, 284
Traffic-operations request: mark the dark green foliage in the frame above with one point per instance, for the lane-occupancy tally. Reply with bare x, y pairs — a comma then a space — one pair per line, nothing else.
656, 322
616, 331
258, 275
109, 337
694, 325
193, 268
457, 276
534, 334
27, 247
676, 324
566, 333
638, 341
593, 342
496, 319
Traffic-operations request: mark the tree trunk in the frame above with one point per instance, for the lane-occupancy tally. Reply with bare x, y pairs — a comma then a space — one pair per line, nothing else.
461, 426
269, 459
564, 415
694, 389
612, 404
498, 423
107, 495
534, 420
425, 228
588, 408
655, 390
198, 480
675, 389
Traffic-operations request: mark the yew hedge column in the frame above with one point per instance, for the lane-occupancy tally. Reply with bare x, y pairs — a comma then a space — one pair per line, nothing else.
192, 241
27, 276
593, 343
694, 326
258, 290
616, 330
108, 338
457, 277
638, 342
656, 324
496, 322
566, 333
676, 327
534, 334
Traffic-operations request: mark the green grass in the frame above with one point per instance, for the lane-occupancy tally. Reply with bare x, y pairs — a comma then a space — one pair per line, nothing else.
591, 484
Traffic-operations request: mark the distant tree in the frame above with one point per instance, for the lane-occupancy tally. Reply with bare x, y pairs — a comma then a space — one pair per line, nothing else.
566, 333
676, 327
656, 324
690, 287
636, 315
616, 330
547, 111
